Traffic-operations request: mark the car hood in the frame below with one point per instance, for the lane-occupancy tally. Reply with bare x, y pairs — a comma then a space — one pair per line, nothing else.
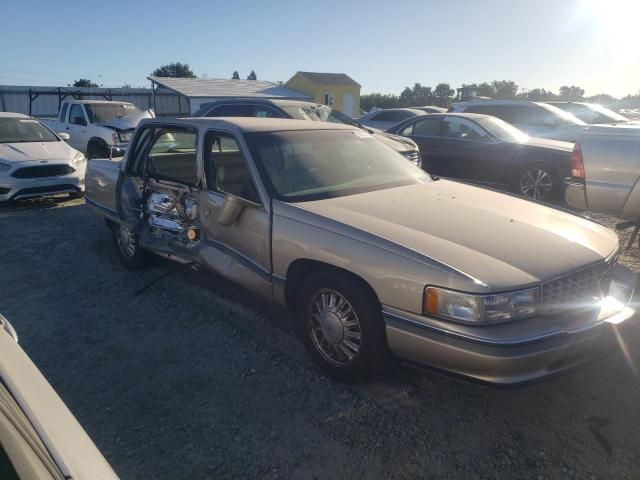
547, 143
24, 152
126, 123
497, 240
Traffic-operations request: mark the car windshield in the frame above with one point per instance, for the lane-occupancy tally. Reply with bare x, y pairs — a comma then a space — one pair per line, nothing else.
23, 130
102, 112
318, 113
563, 117
502, 130
314, 164
600, 114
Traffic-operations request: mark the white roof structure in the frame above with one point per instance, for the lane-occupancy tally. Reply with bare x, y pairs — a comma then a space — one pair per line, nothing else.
225, 88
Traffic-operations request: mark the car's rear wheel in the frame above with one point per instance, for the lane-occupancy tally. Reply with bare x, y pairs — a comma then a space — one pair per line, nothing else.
537, 181
343, 327
130, 253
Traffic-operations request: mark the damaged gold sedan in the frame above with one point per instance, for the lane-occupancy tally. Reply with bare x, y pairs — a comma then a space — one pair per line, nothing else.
376, 257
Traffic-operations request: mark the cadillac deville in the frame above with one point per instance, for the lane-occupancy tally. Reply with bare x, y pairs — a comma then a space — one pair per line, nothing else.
376, 257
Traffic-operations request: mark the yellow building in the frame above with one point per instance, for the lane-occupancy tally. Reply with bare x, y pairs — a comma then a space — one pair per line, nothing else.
334, 89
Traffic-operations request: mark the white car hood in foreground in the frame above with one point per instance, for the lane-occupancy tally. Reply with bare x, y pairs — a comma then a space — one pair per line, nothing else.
501, 240
24, 152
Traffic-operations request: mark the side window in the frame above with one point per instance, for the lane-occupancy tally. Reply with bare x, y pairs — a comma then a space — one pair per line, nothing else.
387, 116
172, 156
76, 115
63, 112
402, 115
408, 130
463, 129
232, 111
541, 116
427, 128
262, 111
225, 168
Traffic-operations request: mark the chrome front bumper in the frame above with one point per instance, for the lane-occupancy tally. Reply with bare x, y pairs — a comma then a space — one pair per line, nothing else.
516, 352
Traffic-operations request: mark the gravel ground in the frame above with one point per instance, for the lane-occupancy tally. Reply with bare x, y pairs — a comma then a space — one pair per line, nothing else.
193, 378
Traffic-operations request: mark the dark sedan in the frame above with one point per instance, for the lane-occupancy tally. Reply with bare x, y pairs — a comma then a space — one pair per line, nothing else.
486, 150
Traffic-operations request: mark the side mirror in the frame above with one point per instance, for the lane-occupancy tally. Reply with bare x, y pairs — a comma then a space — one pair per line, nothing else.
64, 136
232, 208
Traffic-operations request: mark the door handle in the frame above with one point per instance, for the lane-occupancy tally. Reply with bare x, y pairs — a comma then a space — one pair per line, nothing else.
67, 128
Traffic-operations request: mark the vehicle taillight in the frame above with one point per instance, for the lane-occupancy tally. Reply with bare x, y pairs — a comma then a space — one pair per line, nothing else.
577, 164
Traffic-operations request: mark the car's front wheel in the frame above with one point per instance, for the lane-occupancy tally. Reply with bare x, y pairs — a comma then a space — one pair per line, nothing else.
127, 245
537, 181
343, 327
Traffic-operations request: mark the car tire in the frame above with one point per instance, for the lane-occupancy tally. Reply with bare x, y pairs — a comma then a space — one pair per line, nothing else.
342, 326
130, 254
97, 149
537, 181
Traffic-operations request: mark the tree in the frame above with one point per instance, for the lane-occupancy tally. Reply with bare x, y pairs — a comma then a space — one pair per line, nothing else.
539, 95
176, 69
443, 93
83, 82
602, 99
252, 76
367, 102
571, 93
505, 88
235, 76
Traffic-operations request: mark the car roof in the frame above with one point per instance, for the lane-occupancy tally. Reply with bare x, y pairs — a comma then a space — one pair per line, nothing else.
252, 124
13, 115
265, 101
495, 101
470, 116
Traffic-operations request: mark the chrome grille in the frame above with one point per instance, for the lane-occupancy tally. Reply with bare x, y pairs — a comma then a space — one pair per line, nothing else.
576, 290
413, 156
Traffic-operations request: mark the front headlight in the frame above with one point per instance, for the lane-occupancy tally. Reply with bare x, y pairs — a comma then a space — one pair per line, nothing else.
78, 159
480, 309
125, 136
4, 167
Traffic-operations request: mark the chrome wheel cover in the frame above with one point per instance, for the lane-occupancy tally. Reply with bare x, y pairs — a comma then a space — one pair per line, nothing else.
126, 241
334, 327
536, 183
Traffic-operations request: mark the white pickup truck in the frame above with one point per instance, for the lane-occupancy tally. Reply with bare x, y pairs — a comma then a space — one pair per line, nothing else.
98, 127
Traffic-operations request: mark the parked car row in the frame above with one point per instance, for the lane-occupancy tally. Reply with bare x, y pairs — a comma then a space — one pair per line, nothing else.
322, 218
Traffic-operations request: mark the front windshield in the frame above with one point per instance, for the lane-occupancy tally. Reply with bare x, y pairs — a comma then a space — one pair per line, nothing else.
314, 164
501, 129
102, 112
23, 130
318, 113
563, 117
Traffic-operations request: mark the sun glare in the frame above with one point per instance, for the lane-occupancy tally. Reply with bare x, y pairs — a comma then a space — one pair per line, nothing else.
616, 24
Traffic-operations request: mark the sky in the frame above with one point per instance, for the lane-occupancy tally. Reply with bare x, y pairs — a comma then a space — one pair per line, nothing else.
383, 45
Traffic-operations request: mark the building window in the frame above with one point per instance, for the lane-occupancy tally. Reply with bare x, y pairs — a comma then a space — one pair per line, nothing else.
328, 99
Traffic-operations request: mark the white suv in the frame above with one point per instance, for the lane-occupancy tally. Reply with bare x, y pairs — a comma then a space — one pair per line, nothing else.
534, 118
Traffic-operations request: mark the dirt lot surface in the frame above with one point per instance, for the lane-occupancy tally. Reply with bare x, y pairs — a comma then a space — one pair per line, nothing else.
194, 379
